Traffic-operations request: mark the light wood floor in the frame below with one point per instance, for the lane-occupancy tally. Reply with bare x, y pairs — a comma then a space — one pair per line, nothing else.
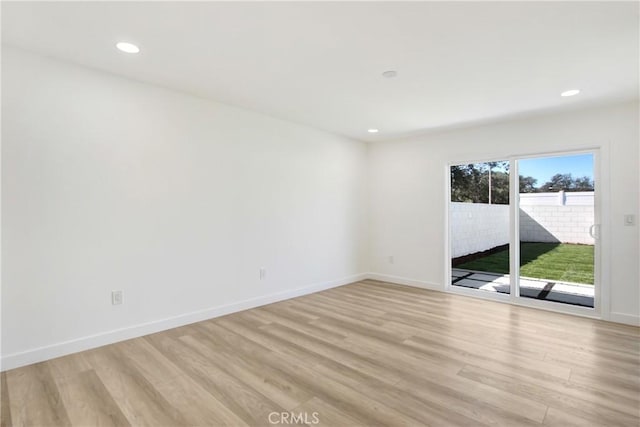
369, 353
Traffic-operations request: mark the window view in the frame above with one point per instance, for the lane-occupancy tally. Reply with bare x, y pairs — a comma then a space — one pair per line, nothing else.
479, 215
556, 229
556, 224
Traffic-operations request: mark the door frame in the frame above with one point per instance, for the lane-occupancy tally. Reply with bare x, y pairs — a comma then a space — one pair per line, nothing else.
601, 308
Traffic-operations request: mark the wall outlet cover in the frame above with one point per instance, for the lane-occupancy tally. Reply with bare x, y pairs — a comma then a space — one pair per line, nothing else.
629, 220
116, 297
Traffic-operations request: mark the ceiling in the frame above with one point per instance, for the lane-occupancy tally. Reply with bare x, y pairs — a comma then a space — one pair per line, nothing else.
320, 63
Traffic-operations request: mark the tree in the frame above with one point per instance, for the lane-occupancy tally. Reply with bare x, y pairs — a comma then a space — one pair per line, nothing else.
471, 183
565, 182
528, 184
583, 184
500, 188
467, 184
558, 182
460, 182
489, 183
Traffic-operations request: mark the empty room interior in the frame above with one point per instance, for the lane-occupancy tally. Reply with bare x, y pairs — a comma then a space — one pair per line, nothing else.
320, 213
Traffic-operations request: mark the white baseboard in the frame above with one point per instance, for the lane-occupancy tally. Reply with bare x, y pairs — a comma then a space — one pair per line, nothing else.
40, 354
624, 318
405, 281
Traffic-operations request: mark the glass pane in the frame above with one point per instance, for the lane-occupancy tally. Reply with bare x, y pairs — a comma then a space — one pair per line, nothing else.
479, 225
556, 208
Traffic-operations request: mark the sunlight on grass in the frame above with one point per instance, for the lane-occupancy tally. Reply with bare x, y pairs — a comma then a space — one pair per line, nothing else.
553, 261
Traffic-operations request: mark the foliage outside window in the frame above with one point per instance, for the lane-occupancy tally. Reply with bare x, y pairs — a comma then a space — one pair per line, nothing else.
488, 182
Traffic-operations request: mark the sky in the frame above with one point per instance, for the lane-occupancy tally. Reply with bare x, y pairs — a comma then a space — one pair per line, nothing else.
543, 168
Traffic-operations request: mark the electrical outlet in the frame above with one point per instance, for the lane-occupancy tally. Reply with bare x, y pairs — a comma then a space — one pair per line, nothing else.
116, 297
263, 273
391, 260
629, 220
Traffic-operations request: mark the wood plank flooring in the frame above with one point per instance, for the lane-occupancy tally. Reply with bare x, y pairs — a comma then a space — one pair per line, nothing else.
368, 353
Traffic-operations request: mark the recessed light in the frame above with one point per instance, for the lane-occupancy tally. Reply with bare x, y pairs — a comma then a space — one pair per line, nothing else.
570, 92
373, 131
390, 74
127, 47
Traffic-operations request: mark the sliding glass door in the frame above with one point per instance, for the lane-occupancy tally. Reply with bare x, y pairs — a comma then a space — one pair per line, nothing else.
479, 224
525, 229
557, 232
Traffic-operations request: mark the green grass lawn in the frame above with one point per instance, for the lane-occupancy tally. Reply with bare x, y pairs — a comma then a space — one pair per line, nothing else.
553, 261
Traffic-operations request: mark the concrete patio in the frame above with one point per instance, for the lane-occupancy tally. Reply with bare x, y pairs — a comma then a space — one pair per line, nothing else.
549, 290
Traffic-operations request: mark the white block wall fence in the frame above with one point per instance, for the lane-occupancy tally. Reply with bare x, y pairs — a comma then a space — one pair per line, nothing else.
544, 217
561, 198
476, 227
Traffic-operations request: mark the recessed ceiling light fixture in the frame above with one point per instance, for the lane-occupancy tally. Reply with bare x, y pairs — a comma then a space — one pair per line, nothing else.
570, 92
390, 74
127, 47
373, 131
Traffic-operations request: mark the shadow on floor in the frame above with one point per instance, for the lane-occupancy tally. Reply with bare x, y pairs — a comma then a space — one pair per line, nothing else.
562, 292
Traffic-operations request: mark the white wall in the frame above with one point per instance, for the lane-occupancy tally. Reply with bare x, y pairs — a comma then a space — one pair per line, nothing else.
408, 197
178, 201
566, 224
476, 227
